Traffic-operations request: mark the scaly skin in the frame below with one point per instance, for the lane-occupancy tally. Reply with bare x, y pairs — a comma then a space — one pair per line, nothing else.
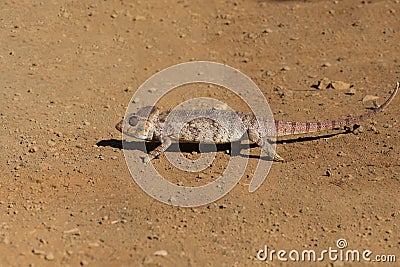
221, 127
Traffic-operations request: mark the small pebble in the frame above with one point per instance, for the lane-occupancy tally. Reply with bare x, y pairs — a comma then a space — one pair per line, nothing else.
93, 244
139, 18
358, 130
324, 83
327, 31
33, 149
73, 231
49, 256
352, 91
370, 98
269, 73
38, 252
339, 85
341, 154
51, 143
160, 253
388, 31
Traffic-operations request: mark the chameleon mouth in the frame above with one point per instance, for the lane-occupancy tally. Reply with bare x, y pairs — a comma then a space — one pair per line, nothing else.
135, 135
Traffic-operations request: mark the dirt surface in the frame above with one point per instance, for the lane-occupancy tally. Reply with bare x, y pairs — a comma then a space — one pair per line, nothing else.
70, 68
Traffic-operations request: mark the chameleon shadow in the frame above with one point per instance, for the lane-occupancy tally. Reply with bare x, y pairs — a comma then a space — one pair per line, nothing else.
114, 143
120, 144
298, 140
175, 147
310, 138
207, 148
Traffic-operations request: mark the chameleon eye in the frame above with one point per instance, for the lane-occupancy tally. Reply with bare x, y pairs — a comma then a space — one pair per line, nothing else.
133, 121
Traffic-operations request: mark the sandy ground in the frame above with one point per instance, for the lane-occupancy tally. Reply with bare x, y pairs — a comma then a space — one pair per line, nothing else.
69, 69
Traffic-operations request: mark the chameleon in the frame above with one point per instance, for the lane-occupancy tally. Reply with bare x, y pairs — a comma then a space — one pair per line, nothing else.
150, 124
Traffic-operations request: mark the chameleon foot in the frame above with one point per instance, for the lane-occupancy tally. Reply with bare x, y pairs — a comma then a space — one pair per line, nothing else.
278, 158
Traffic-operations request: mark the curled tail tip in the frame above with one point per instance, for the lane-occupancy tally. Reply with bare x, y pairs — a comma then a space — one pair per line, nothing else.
386, 103
396, 89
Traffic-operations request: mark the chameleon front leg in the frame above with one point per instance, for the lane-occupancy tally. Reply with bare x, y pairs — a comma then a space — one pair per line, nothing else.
165, 143
265, 145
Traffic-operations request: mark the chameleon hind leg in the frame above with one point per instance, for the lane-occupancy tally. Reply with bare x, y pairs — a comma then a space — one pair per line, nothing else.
266, 145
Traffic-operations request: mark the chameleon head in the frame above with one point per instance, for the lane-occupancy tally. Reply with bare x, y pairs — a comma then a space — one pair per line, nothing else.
140, 125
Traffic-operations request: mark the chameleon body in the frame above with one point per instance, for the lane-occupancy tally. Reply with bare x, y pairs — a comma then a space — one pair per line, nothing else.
221, 127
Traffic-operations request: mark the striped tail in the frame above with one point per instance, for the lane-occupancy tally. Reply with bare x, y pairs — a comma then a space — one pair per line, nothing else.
291, 128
